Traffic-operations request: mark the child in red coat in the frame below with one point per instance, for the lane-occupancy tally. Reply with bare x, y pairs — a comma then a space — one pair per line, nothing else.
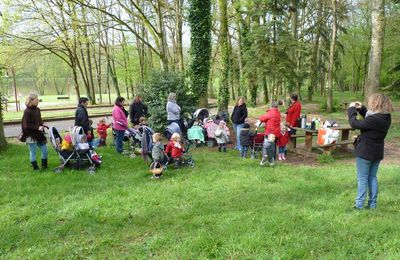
282, 141
175, 148
102, 131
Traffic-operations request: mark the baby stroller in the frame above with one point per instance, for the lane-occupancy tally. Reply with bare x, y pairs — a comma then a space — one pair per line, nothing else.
210, 126
196, 132
171, 129
146, 142
79, 156
187, 159
257, 146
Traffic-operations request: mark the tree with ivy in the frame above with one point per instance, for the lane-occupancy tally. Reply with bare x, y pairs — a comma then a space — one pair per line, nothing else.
223, 93
200, 48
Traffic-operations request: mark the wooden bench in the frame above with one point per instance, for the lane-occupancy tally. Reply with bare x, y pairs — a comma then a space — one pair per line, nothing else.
328, 148
58, 98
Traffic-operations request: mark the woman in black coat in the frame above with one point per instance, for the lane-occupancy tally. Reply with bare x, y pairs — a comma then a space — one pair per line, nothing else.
369, 146
238, 118
137, 109
33, 131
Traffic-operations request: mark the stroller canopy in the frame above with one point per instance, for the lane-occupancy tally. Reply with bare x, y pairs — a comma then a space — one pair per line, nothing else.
54, 135
201, 113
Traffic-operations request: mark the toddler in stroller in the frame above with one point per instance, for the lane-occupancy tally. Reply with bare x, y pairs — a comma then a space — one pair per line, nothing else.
73, 150
178, 154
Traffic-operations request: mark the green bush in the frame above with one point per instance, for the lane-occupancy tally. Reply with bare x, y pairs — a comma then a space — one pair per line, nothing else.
156, 91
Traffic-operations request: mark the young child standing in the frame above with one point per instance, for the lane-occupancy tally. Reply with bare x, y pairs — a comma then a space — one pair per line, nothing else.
102, 131
246, 139
90, 134
158, 154
269, 150
222, 136
176, 149
282, 141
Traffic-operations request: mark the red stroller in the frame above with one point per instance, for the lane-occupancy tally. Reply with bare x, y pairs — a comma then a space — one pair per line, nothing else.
256, 149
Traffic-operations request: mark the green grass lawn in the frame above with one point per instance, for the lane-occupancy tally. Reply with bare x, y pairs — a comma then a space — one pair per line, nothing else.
225, 207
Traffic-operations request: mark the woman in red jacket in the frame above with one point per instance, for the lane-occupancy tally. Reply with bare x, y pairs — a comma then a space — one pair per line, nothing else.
272, 120
294, 111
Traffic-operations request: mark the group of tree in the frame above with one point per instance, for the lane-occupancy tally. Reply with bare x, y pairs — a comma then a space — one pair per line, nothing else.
259, 49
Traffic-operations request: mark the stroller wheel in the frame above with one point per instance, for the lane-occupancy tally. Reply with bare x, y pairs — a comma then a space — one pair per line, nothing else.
92, 170
58, 170
190, 163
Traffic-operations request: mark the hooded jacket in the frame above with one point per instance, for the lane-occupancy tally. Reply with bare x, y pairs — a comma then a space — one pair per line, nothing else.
370, 143
239, 114
137, 110
272, 120
82, 118
246, 137
31, 121
293, 113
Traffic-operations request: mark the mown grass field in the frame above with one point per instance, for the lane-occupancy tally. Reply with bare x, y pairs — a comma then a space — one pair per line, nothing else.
225, 207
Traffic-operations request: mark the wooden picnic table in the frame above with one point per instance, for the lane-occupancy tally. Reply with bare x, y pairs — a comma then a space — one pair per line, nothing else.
309, 136
344, 139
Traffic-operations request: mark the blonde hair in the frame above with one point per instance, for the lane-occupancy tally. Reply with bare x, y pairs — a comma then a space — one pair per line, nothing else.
172, 96
380, 103
30, 99
175, 137
156, 137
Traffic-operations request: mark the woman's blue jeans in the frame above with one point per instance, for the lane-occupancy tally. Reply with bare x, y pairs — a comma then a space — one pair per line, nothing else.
32, 151
119, 140
366, 179
237, 128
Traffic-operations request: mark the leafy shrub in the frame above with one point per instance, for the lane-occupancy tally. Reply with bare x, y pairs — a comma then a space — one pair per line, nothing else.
156, 91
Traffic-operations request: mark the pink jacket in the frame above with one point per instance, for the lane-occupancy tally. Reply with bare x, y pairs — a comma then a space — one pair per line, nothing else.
120, 122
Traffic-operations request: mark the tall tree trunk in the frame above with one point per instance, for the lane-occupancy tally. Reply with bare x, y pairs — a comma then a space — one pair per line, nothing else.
331, 57
3, 142
315, 62
377, 39
223, 94
238, 23
200, 49
294, 22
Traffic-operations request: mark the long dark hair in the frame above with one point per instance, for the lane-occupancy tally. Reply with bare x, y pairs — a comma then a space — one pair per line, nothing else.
118, 102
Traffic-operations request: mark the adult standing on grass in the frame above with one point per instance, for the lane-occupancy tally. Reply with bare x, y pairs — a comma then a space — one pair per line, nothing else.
369, 146
272, 120
238, 118
173, 110
33, 131
137, 110
294, 111
120, 122
82, 116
